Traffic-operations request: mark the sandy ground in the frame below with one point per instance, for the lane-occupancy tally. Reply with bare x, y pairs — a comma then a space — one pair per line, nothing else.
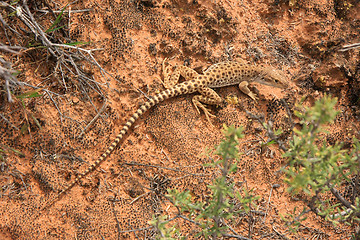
165, 149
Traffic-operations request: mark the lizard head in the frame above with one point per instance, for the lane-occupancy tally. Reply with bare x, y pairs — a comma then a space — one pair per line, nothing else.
271, 77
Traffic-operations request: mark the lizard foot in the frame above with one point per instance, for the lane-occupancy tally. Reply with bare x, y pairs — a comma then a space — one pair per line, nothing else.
206, 111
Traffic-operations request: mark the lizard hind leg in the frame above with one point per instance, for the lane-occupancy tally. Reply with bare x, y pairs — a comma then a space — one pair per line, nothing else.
172, 78
208, 96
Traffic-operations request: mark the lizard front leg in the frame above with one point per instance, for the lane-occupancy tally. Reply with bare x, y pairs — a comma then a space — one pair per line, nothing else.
207, 96
243, 86
171, 79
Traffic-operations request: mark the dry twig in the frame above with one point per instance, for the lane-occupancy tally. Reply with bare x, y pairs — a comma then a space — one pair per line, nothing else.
68, 56
6, 72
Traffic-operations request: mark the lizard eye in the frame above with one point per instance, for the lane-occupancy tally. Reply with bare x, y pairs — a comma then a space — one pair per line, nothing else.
277, 81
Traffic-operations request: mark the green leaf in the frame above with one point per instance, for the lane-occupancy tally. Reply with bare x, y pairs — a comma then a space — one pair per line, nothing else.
54, 29
76, 43
269, 143
17, 152
14, 2
15, 73
278, 131
36, 121
30, 94
57, 21
11, 149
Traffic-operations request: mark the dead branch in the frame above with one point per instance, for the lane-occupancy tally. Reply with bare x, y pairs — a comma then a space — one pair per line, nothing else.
67, 56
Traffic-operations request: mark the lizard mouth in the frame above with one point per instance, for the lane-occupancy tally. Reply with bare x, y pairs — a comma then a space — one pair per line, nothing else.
271, 82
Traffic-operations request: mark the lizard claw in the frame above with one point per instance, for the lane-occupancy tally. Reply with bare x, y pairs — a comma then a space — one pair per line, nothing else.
197, 108
207, 113
253, 97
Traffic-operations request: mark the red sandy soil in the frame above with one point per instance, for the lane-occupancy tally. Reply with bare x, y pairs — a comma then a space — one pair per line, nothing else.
165, 149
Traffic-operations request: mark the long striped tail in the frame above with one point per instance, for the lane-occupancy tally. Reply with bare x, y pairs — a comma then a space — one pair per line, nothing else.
169, 93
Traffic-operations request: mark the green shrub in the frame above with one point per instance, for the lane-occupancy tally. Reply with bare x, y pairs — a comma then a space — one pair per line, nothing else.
316, 170
211, 217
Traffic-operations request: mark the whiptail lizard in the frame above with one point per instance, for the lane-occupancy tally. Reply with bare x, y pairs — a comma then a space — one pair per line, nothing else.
218, 75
